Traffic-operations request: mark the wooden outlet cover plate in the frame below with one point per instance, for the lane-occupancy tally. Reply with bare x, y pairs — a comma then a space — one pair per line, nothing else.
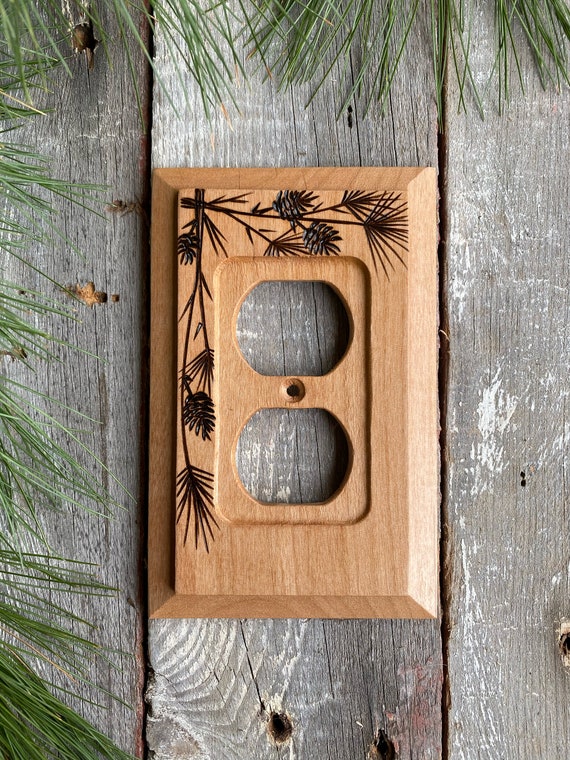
371, 550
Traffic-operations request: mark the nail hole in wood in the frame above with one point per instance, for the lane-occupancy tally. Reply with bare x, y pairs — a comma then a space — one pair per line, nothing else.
382, 748
523, 478
279, 727
83, 41
564, 642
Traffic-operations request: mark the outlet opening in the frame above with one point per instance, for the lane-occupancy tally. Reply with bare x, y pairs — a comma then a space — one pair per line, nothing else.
292, 456
289, 327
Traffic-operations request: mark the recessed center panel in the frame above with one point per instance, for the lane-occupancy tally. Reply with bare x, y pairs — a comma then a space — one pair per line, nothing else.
336, 386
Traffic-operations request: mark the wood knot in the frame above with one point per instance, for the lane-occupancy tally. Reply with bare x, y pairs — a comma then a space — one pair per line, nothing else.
564, 642
83, 41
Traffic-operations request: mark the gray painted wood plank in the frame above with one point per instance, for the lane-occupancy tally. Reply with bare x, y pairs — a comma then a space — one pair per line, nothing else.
95, 135
509, 546
214, 685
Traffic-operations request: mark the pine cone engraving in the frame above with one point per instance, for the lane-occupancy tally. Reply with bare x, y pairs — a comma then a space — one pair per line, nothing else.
198, 414
320, 239
292, 204
188, 244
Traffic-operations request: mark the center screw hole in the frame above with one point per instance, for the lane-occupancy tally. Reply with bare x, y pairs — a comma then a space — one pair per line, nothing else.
292, 390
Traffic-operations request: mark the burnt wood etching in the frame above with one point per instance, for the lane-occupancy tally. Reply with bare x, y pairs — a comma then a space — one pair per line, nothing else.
282, 224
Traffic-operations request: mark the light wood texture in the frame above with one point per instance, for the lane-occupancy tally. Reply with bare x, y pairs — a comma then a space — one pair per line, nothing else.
384, 674
95, 135
391, 349
507, 575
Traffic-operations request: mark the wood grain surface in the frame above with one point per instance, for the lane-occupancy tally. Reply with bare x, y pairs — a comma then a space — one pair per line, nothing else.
508, 226
95, 136
315, 317
214, 685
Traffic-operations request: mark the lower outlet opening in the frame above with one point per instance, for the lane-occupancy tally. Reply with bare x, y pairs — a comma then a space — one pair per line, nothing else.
297, 456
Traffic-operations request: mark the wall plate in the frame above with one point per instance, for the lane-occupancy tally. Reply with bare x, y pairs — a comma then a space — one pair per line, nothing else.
371, 549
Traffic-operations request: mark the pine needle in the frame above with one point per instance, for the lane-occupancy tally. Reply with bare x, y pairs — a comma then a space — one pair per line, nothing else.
301, 41
37, 725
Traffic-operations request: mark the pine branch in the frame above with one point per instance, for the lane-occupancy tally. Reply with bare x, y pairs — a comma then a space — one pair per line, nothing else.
196, 500
297, 41
302, 41
201, 369
37, 725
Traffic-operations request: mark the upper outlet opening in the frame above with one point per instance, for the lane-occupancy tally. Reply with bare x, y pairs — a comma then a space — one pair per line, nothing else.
289, 327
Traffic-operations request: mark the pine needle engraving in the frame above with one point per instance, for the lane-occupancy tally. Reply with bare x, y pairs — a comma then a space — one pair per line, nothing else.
292, 223
194, 485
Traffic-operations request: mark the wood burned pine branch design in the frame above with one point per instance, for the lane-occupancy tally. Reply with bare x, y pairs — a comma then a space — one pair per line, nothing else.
292, 223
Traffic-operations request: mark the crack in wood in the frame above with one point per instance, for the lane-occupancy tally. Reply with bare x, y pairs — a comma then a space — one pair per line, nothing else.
253, 678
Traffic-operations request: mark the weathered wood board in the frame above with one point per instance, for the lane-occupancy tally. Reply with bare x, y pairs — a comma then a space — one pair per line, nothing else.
214, 685
507, 573
95, 135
